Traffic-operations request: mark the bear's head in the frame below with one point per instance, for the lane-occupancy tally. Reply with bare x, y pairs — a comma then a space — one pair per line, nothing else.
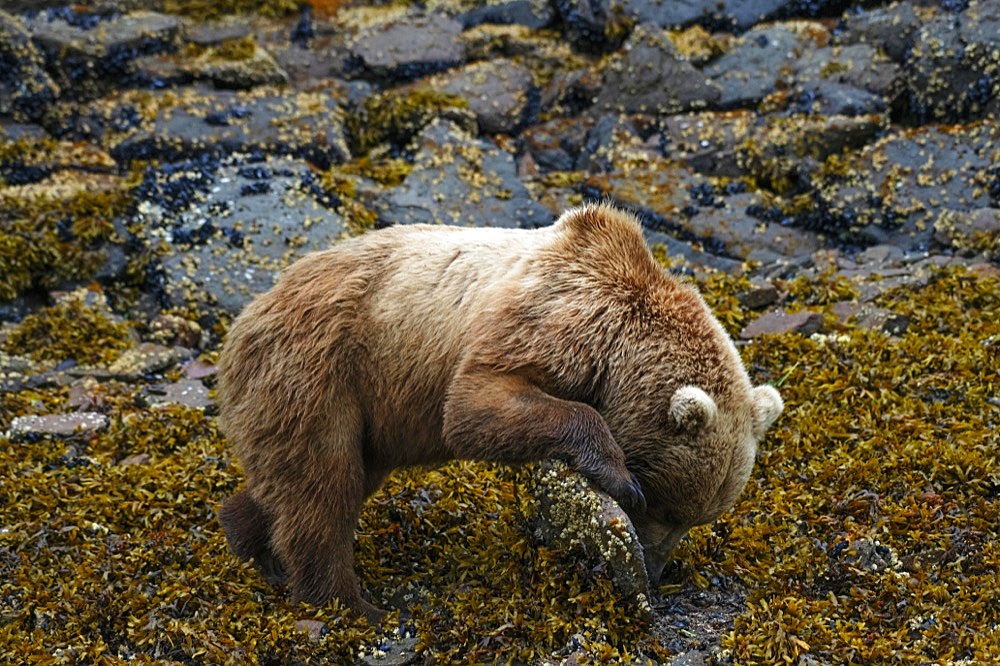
684, 411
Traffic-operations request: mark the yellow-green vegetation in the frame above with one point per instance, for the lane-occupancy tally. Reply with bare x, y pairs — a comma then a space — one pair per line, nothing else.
47, 239
210, 9
867, 533
70, 329
394, 118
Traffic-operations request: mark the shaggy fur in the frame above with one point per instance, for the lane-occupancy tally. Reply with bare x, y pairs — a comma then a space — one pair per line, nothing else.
419, 344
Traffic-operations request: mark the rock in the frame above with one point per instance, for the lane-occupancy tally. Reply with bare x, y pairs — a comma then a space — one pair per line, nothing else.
87, 59
976, 231
408, 47
890, 28
315, 628
233, 227
592, 26
779, 321
225, 70
556, 144
460, 180
783, 152
759, 296
26, 89
145, 359
894, 190
729, 14
707, 142
134, 460
534, 14
214, 33
304, 124
762, 58
573, 513
859, 66
198, 369
58, 425
831, 98
950, 74
186, 393
727, 228
650, 76
171, 329
499, 92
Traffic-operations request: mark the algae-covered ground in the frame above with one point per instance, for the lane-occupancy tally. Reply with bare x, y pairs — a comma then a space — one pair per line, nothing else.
867, 533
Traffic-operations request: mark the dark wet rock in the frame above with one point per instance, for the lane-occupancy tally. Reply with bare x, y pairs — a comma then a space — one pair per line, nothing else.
408, 47
213, 33
306, 124
533, 14
256, 67
779, 321
951, 72
970, 233
617, 140
649, 75
708, 142
555, 145
461, 180
894, 190
145, 359
171, 329
729, 229
831, 98
86, 60
674, 250
759, 296
891, 28
573, 513
58, 425
26, 89
856, 65
570, 92
782, 153
233, 227
499, 92
762, 58
189, 393
797, 56
592, 26
727, 14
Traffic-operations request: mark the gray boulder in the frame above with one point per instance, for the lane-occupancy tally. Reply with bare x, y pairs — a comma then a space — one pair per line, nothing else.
408, 47
648, 75
245, 222
26, 90
461, 180
499, 92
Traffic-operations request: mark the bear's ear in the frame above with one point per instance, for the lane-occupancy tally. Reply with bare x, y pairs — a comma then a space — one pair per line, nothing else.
767, 407
692, 408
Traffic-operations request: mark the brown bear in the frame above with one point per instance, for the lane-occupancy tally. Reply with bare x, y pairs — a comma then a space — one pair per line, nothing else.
418, 344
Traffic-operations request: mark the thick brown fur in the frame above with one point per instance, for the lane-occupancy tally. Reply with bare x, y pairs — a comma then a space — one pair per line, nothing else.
415, 345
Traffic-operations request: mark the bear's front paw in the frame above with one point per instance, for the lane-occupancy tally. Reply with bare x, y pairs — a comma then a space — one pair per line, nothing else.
626, 490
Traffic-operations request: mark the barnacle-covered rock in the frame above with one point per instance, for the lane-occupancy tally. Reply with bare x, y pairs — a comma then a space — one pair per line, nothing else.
571, 511
26, 89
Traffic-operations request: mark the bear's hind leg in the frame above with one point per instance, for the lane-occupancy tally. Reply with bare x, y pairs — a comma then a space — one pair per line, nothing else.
248, 530
314, 525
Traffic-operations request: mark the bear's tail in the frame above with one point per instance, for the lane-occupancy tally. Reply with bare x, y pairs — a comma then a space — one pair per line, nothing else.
248, 530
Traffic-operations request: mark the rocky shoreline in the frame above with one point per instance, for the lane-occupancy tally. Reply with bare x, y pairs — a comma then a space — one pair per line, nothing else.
804, 162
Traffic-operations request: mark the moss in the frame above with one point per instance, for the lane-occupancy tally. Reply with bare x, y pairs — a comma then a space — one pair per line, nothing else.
208, 9
71, 329
48, 239
394, 118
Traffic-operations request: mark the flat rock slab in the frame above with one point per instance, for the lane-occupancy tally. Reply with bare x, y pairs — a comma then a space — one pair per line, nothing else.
59, 425
306, 124
186, 393
779, 321
498, 92
408, 47
651, 76
571, 512
460, 180
232, 229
